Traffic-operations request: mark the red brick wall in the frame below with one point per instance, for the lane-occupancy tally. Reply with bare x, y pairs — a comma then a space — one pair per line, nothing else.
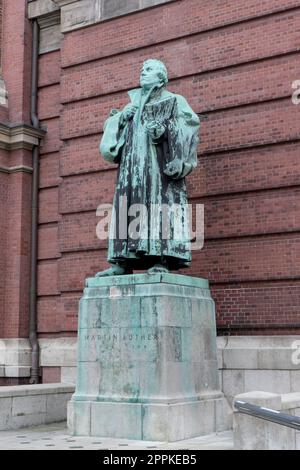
16, 59
3, 239
3, 200
1, 29
15, 191
234, 63
18, 256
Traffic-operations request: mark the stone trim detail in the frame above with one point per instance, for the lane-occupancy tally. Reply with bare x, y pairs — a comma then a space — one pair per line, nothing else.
236, 352
58, 352
76, 14
50, 38
16, 169
15, 358
3, 94
81, 13
245, 362
48, 15
38, 8
62, 3
19, 137
48, 21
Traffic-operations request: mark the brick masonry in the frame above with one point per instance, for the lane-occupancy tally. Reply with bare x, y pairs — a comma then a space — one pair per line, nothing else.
1, 30
235, 65
15, 192
235, 62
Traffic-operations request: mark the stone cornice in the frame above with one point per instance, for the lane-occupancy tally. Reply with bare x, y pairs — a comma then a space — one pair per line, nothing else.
77, 14
61, 3
47, 13
19, 137
38, 8
47, 21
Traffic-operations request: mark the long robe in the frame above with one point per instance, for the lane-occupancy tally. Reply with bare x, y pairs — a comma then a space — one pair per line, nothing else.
161, 229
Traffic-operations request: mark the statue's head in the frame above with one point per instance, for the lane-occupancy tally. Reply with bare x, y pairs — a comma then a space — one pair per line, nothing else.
154, 72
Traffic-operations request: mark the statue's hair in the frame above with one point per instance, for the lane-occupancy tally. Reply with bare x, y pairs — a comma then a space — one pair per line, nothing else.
163, 73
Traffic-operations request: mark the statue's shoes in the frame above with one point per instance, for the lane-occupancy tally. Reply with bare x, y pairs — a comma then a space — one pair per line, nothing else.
158, 268
114, 271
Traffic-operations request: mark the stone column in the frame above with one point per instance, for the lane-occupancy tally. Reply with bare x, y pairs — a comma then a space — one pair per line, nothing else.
147, 360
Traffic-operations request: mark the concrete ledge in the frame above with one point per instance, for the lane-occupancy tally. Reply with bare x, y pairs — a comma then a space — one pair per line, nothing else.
290, 401
266, 399
30, 405
40, 389
251, 433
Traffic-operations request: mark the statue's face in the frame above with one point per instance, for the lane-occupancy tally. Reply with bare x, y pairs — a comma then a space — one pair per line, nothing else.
149, 75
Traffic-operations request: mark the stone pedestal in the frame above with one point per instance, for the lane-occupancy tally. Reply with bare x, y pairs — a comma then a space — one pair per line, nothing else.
147, 360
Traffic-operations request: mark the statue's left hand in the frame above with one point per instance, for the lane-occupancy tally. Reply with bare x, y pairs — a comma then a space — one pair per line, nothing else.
174, 169
155, 129
129, 112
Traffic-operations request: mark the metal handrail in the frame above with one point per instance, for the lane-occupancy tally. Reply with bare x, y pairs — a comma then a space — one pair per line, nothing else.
268, 415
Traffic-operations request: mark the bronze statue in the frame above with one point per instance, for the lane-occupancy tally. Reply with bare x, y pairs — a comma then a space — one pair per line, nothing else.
154, 141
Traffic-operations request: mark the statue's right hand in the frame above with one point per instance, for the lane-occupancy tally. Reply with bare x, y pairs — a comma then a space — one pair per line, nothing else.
129, 111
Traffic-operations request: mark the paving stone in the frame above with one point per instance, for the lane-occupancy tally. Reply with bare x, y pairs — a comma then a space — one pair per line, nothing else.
35, 438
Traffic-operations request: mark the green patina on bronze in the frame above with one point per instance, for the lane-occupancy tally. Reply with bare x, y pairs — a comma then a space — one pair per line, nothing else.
154, 141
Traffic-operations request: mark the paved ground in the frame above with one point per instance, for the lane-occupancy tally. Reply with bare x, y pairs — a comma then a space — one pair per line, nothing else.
55, 437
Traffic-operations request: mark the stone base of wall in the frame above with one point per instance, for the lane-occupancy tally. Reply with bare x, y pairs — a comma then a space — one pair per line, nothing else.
266, 363
246, 363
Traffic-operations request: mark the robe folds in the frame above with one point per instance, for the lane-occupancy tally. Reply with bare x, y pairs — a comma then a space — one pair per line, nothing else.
150, 217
